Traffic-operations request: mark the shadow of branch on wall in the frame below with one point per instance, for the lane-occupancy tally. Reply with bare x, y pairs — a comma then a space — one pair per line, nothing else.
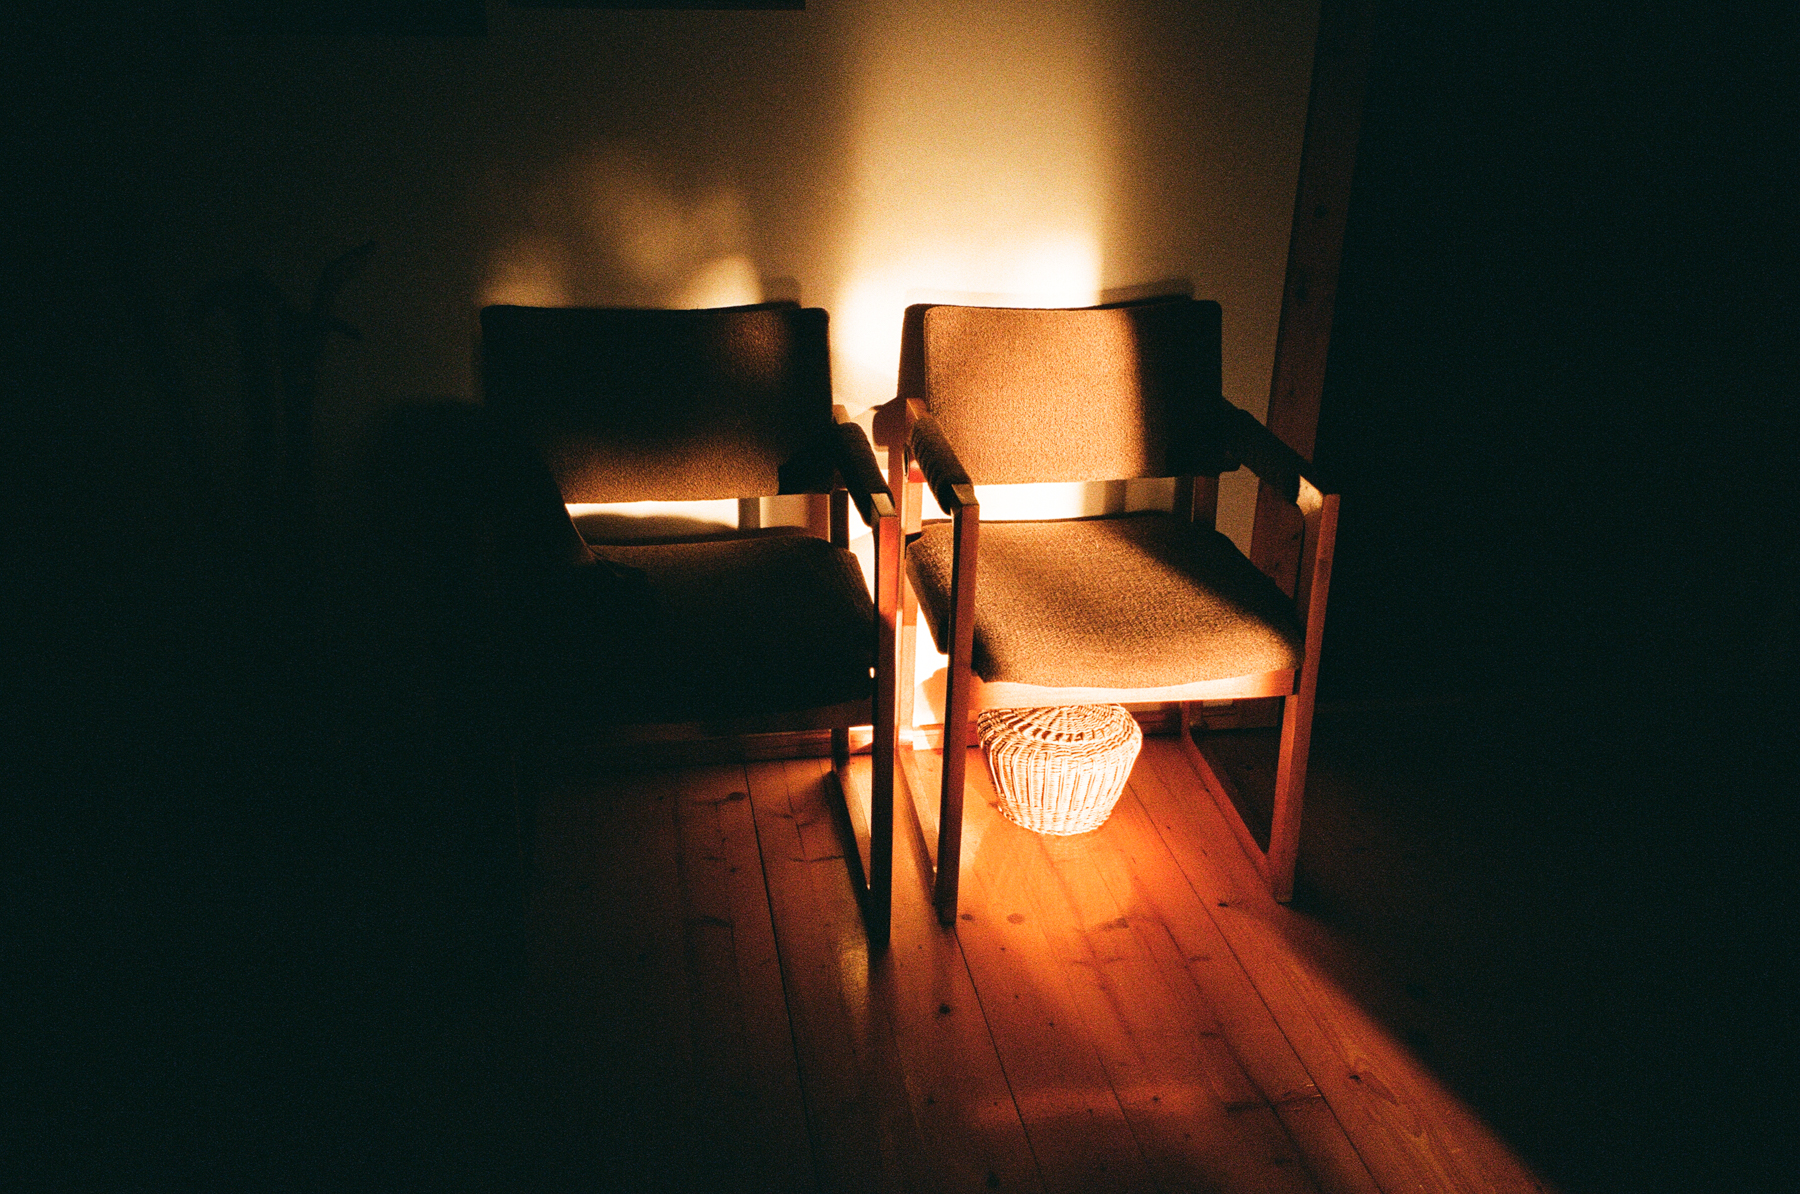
280, 347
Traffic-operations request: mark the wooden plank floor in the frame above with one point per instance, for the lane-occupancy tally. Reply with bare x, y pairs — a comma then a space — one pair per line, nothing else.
1123, 1010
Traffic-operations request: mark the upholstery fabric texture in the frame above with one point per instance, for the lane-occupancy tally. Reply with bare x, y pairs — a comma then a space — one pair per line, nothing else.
1087, 394
856, 464
1139, 601
733, 628
632, 405
938, 461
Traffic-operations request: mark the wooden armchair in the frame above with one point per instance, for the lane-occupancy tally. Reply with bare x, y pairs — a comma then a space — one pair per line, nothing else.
757, 630
1139, 607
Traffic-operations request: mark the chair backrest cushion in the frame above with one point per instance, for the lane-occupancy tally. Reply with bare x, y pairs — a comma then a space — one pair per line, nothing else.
1085, 394
632, 404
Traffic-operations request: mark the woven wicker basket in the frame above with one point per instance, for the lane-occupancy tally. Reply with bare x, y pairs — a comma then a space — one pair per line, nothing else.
1060, 769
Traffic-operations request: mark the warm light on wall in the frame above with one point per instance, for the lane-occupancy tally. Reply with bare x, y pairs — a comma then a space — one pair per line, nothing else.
1003, 273
979, 156
528, 272
876, 153
723, 282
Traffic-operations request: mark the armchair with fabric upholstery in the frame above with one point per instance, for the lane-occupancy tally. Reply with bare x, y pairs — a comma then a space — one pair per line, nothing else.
1153, 606
761, 630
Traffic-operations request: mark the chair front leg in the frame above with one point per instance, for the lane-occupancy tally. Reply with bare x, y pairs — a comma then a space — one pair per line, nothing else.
1290, 790
1319, 512
839, 524
966, 524
886, 729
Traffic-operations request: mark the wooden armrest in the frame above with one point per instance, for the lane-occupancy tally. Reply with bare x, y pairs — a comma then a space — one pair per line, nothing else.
890, 424
1263, 453
856, 465
949, 481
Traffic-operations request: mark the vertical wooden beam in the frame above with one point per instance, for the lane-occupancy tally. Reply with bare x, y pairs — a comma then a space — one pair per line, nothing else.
1315, 250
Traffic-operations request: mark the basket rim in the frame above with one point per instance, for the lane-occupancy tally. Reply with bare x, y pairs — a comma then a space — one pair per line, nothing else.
1098, 724
1059, 783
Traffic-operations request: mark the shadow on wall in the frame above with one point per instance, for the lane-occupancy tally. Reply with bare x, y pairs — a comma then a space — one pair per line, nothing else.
876, 152
613, 230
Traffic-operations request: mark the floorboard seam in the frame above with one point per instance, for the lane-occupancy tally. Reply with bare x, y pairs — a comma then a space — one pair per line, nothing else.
999, 1057
787, 986
1250, 975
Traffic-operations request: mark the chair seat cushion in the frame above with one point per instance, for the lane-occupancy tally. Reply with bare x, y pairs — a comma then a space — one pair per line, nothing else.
1139, 601
733, 629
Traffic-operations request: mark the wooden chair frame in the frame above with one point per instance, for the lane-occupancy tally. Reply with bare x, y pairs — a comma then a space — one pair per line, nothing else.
868, 836
834, 468
906, 425
869, 843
